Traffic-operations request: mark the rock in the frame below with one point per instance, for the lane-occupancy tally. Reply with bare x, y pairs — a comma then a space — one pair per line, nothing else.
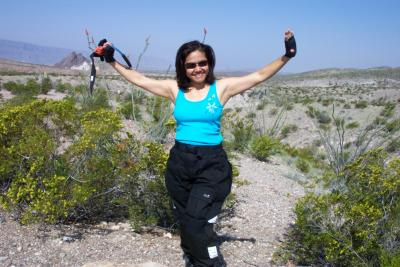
115, 227
68, 239
168, 235
3, 258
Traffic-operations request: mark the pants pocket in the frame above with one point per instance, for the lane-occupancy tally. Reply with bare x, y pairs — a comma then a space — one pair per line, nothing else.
199, 203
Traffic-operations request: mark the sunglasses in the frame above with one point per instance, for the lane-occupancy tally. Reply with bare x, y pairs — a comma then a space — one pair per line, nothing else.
192, 65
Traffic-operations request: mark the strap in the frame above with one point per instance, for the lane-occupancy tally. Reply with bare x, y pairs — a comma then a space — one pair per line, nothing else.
99, 52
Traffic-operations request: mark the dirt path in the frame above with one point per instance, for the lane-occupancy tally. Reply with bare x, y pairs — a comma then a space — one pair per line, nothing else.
249, 238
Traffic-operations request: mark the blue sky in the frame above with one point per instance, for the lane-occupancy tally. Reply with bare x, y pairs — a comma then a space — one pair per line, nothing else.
244, 34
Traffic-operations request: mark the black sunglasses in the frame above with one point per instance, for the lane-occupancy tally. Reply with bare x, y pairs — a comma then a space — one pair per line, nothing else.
192, 65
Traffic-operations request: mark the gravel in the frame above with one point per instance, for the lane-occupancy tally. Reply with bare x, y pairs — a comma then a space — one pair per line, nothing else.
250, 235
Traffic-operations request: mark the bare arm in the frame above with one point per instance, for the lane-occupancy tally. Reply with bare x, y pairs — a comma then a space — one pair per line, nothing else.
230, 87
236, 85
164, 88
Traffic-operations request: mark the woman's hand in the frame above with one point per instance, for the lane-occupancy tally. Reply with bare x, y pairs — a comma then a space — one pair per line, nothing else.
108, 52
290, 44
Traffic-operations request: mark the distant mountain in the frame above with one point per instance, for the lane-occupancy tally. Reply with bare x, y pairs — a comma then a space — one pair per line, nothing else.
31, 53
73, 60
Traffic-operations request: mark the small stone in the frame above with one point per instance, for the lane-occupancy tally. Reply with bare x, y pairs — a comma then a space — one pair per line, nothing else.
19, 248
115, 227
3, 258
168, 235
68, 239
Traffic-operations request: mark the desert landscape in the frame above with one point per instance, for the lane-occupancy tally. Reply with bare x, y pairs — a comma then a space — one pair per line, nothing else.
314, 122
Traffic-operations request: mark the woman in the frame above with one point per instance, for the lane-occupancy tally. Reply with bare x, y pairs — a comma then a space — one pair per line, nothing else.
199, 176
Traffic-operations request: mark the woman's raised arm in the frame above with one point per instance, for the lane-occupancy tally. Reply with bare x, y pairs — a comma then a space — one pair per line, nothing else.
164, 88
232, 86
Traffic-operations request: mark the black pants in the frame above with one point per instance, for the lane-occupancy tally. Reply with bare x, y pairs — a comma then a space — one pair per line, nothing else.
198, 179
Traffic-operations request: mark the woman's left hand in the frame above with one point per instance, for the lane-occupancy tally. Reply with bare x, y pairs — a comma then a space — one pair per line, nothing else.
290, 44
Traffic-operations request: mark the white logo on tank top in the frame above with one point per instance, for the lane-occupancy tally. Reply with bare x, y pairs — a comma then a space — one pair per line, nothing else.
211, 106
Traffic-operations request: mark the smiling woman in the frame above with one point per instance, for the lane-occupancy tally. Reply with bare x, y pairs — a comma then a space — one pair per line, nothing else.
199, 175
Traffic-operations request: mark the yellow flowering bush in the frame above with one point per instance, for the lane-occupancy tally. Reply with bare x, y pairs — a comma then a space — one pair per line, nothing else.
357, 225
62, 163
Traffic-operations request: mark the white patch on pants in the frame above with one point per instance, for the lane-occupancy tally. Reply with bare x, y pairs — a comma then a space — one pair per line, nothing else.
213, 220
212, 252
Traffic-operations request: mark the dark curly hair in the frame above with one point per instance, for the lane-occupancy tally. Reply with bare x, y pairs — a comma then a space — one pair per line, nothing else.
183, 52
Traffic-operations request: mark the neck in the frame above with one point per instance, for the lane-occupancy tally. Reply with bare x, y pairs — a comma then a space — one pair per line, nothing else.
198, 86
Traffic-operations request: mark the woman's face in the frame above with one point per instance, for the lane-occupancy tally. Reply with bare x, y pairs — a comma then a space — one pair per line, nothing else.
196, 66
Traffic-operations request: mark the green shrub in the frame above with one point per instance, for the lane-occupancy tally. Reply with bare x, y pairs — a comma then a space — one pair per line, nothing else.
242, 131
46, 85
151, 205
261, 105
99, 176
327, 102
99, 100
393, 146
361, 104
63, 87
251, 115
379, 121
30, 88
289, 106
273, 111
155, 106
264, 146
355, 226
126, 110
31, 173
307, 100
311, 111
388, 109
302, 165
289, 128
352, 125
346, 106
393, 126
323, 117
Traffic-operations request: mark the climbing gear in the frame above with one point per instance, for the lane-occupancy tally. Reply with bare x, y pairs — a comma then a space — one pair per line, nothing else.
100, 52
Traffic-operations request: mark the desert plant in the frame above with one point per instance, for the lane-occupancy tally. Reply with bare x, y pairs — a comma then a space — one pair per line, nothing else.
30, 88
361, 104
98, 176
302, 165
334, 142
126, 110
46, 85
63, 87
388, 109
357, 226
264, 146
287, 129
242, 131
346, 106
352, 125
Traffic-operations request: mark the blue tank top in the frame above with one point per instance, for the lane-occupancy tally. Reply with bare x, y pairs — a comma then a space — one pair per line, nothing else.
198, 122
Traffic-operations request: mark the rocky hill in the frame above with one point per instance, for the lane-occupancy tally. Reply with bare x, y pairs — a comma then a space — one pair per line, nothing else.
74, 60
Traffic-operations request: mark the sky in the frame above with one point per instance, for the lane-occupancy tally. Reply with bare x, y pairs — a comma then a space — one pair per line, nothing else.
245, 35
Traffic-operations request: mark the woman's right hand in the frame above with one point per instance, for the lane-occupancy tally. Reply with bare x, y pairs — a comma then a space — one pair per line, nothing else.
109, 53
108, 50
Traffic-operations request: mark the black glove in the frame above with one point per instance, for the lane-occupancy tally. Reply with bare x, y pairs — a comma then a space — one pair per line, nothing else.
290, 46
102, 42
109, 54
